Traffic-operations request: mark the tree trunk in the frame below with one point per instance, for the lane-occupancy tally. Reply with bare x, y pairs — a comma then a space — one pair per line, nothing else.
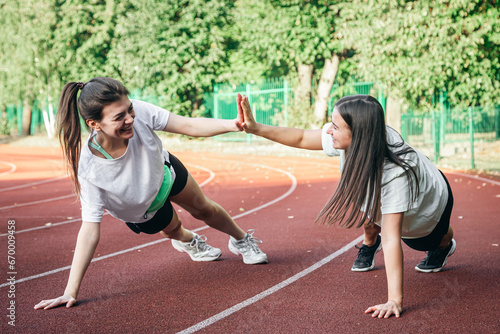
26, 121
325, 87
393, 112
303, 90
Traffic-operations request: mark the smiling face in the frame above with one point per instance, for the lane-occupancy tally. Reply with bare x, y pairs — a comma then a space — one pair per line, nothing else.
116, 122
340, 132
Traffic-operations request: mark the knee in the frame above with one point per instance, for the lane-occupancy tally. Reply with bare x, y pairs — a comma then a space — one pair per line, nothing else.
206, 211
172, 229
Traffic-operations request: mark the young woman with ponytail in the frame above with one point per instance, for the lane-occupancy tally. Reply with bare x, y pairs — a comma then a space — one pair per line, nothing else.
122, 168
386, 186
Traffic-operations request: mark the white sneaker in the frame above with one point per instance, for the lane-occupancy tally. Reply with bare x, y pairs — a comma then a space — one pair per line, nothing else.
248, 248
197, 248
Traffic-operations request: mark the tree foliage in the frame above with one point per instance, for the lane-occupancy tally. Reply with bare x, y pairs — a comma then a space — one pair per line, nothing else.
424, 48
22, 65
179, 48
176, 49
295, 38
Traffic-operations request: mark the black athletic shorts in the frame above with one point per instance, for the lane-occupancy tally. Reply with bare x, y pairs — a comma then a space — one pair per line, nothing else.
164, 215
432, 241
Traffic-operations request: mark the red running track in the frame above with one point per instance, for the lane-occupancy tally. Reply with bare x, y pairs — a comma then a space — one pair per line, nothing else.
140, 284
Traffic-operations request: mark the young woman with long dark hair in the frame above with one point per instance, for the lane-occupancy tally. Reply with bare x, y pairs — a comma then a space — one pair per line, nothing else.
122, 168
386, 186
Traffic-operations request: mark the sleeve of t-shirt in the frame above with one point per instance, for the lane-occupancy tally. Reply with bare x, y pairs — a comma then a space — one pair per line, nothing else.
327, 143
395, 195
154, 116
91, 201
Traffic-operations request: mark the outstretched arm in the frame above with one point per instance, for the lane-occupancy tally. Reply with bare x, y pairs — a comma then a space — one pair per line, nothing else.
87, 241
202, 127
393, 259
299, 138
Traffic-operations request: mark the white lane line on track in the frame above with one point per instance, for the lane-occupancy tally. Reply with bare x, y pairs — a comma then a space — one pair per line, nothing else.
290, 190
11, 170
270, 291
256, 298
93, 260
34, 183
209, 179
211, 174
36, 202
475, 177
47, 226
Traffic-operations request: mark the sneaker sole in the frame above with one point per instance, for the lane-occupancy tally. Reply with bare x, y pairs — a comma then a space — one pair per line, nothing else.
373, 262
235, 251
435, 270
196, 259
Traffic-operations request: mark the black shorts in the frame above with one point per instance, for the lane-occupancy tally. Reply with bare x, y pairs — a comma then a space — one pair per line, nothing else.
433, 240
164, 215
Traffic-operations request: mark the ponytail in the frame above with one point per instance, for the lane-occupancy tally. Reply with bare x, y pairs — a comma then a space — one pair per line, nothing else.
69, 130
95, 95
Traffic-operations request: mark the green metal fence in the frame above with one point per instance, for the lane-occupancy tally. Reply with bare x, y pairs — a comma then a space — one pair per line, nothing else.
271, 99
267, 99
452, 133
355, 88
461, 134
14, 116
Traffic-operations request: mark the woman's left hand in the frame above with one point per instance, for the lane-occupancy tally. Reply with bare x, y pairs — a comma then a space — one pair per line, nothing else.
385, 310
240, 119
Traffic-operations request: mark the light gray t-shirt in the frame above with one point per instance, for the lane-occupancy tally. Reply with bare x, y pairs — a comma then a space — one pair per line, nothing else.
126, 186
420, 215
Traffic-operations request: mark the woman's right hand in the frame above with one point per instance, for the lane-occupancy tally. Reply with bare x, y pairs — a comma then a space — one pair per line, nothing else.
50, 303
244, 111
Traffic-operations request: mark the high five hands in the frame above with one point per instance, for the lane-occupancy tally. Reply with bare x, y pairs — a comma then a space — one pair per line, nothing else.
245, 117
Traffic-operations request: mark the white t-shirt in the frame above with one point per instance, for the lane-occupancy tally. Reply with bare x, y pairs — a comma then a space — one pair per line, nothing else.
423, 214
126, 186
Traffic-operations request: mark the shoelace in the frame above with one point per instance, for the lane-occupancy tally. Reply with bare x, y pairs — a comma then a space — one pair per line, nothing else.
200, 243
364, 252
252, 241
431, 254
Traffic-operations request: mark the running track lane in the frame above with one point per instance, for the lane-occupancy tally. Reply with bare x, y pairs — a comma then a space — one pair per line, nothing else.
135, 294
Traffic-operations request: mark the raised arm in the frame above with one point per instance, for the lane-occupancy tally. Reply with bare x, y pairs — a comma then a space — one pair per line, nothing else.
201, 127
299, 138
87, 241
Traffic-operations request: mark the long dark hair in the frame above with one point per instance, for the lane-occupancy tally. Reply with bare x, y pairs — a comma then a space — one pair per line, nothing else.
357, 197
95, 95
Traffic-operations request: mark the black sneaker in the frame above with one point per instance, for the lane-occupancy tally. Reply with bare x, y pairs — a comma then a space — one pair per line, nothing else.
366, 256
436, 259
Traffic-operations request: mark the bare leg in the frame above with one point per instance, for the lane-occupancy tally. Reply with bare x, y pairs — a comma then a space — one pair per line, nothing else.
445, 242
192, 199
176, 231
371, 232
185, 241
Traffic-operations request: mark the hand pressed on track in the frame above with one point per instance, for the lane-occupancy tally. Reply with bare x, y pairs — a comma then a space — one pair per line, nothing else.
385, 310
51, 303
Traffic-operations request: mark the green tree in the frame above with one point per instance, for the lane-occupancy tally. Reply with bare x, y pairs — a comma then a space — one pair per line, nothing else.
81, 37
47, 43
298, 38
176, 49
423, 48
23, 28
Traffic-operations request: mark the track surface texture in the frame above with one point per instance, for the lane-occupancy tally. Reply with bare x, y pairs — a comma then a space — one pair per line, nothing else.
140, 284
